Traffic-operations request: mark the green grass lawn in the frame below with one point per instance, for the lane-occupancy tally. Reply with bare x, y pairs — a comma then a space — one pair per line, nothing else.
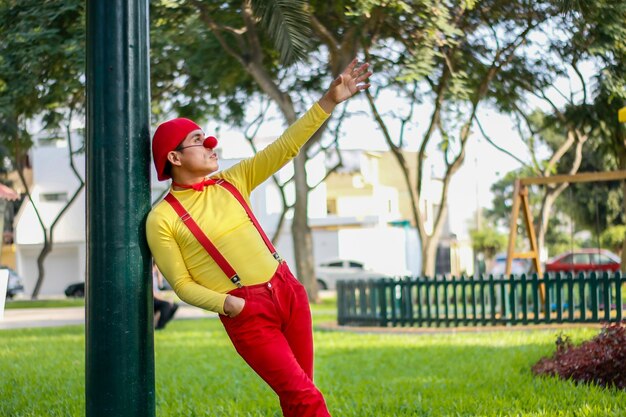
379, 375
68, 302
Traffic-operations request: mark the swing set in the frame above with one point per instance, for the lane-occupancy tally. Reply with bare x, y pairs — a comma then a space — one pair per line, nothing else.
520, 199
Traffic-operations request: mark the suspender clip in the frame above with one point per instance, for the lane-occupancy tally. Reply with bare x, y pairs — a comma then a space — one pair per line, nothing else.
236, 280
277, 257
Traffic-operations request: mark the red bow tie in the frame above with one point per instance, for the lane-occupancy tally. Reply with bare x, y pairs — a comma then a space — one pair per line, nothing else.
199, 186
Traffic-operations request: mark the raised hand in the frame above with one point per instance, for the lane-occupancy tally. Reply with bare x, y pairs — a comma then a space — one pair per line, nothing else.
352, 80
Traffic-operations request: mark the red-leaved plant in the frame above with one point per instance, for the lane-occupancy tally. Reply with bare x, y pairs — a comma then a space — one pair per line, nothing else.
601, 360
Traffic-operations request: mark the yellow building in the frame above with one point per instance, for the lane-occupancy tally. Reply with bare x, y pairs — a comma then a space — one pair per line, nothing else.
372, 185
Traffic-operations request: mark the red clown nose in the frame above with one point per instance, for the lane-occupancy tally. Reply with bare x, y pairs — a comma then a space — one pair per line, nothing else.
210, 142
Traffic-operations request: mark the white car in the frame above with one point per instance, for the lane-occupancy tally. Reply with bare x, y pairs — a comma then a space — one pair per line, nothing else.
329, 272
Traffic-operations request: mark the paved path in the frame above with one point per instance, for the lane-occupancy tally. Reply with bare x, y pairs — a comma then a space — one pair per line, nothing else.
65, 316
19, 318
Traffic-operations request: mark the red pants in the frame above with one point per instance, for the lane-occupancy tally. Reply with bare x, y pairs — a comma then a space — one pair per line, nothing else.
273, 334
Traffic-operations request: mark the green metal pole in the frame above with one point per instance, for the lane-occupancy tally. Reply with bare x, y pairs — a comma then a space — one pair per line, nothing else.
119, 313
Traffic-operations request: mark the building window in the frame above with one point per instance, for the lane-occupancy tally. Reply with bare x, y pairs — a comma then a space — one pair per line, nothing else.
54, 197
331, 206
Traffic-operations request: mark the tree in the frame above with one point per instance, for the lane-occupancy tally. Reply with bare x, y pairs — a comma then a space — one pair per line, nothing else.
229, 33
595, 35
562, 138
41, 63
588, 33
613, 238
487, 241
42, 73
609, 135
472, 45
50, 85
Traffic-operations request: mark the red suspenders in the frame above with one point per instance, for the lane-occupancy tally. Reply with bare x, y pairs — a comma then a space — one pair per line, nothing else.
203, 238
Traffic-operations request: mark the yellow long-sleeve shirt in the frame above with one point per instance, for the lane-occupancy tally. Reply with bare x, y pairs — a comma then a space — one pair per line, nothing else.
184, 262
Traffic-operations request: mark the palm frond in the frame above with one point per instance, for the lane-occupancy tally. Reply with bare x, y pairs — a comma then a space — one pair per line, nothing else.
571, 6
288, 25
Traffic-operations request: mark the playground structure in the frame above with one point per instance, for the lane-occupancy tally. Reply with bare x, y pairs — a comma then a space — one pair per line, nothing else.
520, 200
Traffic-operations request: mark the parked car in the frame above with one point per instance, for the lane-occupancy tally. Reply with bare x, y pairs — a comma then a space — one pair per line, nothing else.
518, 266
76, 290
15, 284
583, 260
329, 272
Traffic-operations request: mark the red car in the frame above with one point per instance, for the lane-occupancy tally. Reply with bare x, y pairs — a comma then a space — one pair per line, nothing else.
583, 260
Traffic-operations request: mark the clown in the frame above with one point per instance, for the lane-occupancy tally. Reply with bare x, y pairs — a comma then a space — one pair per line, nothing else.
211, 249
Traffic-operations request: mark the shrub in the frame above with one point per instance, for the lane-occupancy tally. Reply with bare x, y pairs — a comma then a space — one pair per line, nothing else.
601, 360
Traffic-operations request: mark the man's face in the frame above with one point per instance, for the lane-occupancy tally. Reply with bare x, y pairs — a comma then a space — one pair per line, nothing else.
194, 158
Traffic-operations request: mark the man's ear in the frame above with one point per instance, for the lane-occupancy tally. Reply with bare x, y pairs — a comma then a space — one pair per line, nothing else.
174, 158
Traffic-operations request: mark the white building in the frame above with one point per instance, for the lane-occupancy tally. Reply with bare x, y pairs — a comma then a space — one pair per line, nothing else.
350, 225
53, 184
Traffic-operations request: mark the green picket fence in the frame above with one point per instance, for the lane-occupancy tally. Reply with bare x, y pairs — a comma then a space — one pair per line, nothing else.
486, 301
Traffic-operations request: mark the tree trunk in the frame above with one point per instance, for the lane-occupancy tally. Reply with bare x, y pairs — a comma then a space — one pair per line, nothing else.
46, 243
431, 242
49, 234
573, 138
47, 248
429, 255
301, 231
547, 203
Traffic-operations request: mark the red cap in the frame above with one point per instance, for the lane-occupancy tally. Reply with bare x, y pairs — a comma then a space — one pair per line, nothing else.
166, 138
